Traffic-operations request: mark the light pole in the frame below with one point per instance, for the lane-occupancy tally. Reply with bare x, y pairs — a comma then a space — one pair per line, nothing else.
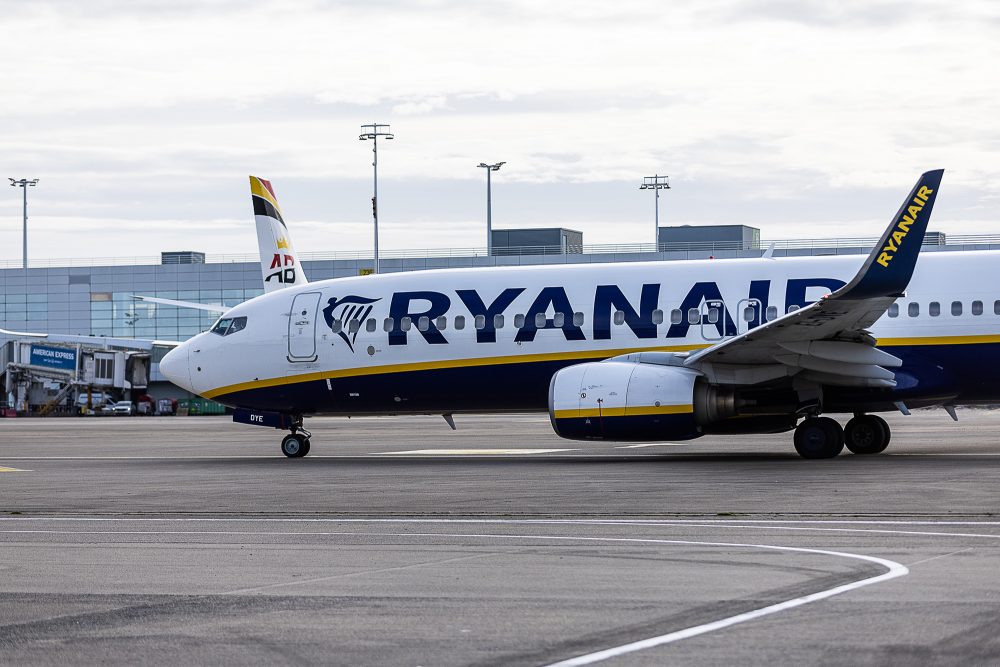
24, 184
489, 205
656, 183
373, 132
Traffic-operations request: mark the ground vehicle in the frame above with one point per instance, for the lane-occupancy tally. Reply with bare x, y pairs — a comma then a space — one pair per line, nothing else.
124, 408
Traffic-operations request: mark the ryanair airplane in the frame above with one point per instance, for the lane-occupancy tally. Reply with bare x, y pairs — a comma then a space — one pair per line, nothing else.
629, 352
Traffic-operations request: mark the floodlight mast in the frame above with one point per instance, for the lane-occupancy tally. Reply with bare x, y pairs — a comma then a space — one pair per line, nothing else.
656, 183
489, 204
24, 184
373, 132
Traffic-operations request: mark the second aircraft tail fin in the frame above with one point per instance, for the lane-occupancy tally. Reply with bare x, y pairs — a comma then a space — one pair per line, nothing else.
279, 264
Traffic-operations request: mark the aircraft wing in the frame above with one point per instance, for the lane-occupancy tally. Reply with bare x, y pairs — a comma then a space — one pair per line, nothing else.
829, 339
105, 341
208, 307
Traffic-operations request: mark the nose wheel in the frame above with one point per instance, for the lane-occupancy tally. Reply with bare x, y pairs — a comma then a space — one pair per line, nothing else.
295, 445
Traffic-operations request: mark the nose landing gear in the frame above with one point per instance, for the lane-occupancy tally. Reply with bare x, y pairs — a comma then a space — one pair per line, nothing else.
296, 444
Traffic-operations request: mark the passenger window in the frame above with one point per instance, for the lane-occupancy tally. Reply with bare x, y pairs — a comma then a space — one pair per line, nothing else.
498, 321
913, 310
996, 307
423, 323
748, 313
619, 317
459, 322
977, 307
371, 325
956, 308
441, 323
354, 326
934, 309
221, 326
694, 316
658, 316
578, 319
894, 310
713, 315
676, 316
772, 313
405, 323
519, 321
539, 320
386, 325
792, 308
336, 326
480, 322
558, 320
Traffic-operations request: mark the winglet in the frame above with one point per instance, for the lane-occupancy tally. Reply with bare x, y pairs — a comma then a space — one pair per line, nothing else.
889, 267
279, 262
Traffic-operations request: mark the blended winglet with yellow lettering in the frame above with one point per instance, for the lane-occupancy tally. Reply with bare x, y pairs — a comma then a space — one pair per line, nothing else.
279, 264
846, 314
888, 269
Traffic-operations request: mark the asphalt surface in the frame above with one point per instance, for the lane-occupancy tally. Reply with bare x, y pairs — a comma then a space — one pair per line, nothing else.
400, 542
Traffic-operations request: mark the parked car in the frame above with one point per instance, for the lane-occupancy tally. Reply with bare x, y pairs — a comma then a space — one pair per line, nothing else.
124, 408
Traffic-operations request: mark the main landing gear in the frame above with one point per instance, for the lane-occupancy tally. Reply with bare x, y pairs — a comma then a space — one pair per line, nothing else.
823, 438
296, 444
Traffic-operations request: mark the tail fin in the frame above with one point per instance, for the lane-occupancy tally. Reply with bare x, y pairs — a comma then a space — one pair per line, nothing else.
279, 264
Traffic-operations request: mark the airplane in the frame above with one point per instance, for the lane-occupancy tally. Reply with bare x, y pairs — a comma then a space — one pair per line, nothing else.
279, 264
645, 351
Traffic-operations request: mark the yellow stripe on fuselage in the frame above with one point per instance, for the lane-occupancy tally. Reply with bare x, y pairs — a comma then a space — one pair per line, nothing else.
633, 411
938, 340
582, 355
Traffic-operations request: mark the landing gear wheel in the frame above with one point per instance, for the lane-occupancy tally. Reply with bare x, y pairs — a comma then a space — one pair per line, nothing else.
295, 445
866, 434
819, 438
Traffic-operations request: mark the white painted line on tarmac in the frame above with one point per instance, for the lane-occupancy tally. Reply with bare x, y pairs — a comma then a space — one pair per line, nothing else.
6, 469
893, 571
474, 452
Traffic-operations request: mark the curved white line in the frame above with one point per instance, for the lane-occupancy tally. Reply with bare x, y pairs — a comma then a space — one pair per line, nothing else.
893, 569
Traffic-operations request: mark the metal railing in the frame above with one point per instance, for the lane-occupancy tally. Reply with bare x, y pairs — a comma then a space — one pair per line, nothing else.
954, 242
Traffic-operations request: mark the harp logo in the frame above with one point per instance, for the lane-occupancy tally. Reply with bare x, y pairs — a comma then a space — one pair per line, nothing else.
345, 316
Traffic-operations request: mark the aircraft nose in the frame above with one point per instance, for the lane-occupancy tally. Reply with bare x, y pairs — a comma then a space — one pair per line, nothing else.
175, 367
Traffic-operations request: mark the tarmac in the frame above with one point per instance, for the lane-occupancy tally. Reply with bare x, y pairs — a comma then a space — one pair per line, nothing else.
192, 540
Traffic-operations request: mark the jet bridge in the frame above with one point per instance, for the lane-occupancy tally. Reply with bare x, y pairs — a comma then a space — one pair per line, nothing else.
42, 378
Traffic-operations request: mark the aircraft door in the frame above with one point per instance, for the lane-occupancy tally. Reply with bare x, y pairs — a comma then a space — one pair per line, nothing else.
713, 319
749, 313
302, 327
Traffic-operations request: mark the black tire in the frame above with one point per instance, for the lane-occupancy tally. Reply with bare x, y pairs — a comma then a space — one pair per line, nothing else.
305, 449
294, 445
819, 438
866, 434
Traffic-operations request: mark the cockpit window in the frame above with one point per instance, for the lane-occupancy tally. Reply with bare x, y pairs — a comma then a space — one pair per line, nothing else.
229, 325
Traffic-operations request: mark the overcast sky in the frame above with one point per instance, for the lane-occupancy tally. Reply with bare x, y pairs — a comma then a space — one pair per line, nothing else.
807, 119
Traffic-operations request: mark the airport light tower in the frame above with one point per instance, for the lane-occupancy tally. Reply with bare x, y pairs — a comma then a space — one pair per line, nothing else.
656, 183
373, 132
24, 184
489, 205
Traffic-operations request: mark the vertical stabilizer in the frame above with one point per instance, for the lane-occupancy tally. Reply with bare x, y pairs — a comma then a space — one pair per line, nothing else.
279, 262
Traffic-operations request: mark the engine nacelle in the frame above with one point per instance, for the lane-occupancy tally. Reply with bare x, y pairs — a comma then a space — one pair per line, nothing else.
613, 400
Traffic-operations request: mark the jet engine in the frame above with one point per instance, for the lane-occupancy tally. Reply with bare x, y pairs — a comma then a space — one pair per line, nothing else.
628, 401
614, 400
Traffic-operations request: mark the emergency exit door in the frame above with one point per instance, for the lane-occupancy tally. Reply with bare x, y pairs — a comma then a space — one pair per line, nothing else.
302, 327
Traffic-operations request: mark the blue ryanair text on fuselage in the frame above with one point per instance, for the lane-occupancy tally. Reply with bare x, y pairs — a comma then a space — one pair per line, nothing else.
608, 299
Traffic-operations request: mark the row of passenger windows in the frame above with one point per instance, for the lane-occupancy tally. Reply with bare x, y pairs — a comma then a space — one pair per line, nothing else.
695, 316
934, 309
558, 320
